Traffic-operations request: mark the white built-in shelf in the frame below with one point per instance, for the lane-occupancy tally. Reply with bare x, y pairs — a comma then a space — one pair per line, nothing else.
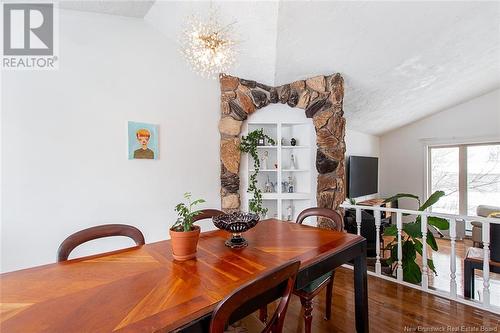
295, 196
278, 202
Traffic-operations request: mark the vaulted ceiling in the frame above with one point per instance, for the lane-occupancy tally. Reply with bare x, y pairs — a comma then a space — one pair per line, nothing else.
401, 61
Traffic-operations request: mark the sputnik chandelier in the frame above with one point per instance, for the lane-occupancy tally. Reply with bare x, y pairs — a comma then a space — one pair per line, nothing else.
208, 46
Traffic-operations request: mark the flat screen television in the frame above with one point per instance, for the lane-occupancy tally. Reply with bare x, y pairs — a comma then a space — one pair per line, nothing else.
362, 175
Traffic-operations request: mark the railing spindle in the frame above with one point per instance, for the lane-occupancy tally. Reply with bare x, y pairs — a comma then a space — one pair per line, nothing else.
425, 275
358, 220
378, 267
399, 225
453, 259
486, 264
454, 219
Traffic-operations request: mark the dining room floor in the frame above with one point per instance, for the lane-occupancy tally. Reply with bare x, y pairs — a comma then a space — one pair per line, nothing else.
392, 308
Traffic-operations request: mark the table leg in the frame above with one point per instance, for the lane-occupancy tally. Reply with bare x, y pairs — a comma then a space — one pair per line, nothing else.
361, 292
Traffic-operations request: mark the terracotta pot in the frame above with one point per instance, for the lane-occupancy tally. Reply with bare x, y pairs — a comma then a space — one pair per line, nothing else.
184, 243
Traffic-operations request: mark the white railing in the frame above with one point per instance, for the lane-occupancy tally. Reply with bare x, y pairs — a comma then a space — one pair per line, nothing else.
452, 293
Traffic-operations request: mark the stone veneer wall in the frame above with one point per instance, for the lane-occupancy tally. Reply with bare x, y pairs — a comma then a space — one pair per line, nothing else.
321, 97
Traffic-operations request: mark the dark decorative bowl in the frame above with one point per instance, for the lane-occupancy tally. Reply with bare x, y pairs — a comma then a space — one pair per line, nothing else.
236, 223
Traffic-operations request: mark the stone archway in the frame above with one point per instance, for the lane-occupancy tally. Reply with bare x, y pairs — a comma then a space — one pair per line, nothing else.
321, 97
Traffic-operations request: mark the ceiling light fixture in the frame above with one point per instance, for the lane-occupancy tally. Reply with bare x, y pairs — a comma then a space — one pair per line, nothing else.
209, 46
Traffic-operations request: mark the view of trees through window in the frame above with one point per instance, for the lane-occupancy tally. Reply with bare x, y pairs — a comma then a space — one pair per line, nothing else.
445, 177
468, 174
483, 177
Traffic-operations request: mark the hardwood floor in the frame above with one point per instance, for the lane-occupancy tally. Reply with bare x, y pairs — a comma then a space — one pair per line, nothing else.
392, 308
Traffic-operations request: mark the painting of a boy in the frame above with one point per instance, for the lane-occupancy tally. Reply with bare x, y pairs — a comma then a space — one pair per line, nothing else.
143, 141
143, 136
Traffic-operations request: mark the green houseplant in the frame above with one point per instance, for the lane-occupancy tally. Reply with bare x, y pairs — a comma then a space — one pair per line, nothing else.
411, 238
249, 145
184, 233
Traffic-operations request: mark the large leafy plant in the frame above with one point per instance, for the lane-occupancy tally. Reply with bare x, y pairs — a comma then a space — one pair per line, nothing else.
186, 213
249, 145
411, 238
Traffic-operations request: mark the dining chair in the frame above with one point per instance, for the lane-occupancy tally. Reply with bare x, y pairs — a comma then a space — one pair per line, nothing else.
101, 231
207, 214
277, 283
310, 291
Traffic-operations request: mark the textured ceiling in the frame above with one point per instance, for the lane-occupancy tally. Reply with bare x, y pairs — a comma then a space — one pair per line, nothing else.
137, 8
401, 61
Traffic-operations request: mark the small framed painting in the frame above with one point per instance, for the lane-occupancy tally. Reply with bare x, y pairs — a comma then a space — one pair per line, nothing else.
142, 141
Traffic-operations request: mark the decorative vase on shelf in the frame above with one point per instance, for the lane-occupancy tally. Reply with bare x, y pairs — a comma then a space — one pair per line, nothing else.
263, 163
292, 162
289, 213
291, 187
293, 142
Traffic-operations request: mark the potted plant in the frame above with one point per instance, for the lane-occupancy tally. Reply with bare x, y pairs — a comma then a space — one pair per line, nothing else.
249, 145
184, 233
411, 238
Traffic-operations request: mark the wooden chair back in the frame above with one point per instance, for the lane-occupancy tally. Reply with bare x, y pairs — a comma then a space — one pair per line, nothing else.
106, 230
207, 214
322, 212
256, 294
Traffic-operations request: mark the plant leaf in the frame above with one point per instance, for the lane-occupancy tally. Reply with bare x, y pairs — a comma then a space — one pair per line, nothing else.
391, 231
413, 229
402, 195
411, 272
438, 222
409, 252
430, 264
431, 241
418, 246
432, 200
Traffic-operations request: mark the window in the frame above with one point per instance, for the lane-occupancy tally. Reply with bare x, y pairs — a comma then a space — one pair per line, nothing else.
468, 174
445, 177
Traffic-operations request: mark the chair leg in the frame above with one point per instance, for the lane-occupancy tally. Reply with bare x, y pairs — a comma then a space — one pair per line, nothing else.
308, 307
329, 295
263, 314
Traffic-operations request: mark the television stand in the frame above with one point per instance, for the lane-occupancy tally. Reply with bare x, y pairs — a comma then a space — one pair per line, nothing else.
368, 227
380, 203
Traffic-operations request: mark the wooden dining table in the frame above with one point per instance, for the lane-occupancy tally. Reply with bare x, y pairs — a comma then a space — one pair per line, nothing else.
142, 289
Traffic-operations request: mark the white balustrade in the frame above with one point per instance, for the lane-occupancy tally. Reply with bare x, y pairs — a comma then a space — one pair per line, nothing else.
486, 264
378, 266
399, 225
453, 258
358, 220
453, 219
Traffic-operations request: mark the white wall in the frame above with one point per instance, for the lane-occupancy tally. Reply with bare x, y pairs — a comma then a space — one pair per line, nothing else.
402, 150
362, 144
64, 137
